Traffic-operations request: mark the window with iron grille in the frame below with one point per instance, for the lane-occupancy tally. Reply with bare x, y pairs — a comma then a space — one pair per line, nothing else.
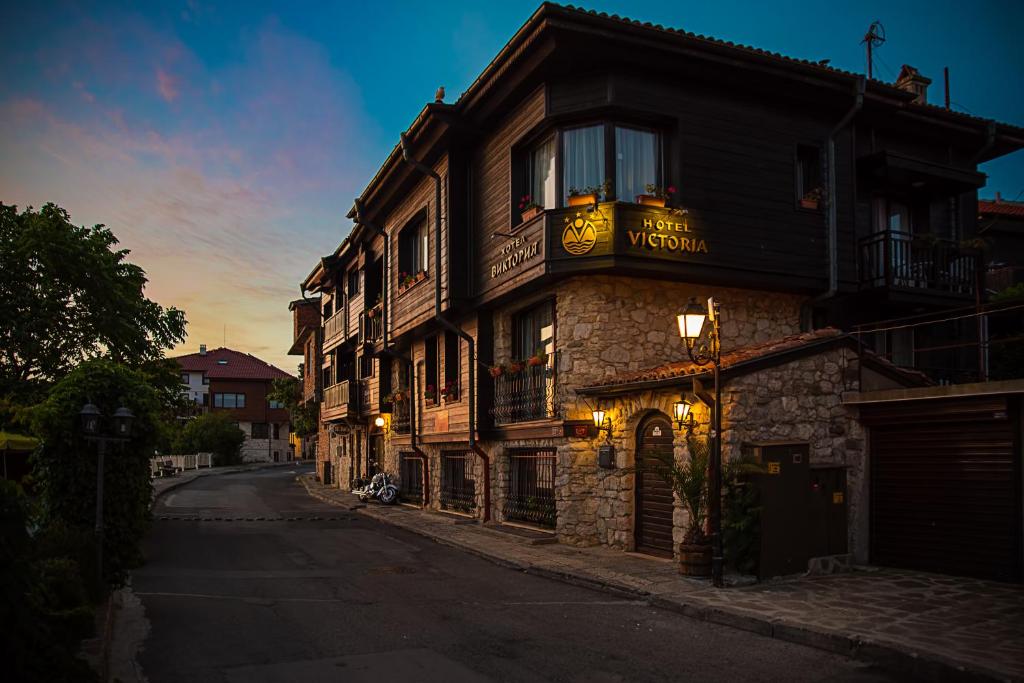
410, 473
458, 487
531, 487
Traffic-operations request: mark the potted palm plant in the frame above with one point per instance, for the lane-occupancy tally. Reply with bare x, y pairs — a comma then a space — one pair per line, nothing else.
689, 481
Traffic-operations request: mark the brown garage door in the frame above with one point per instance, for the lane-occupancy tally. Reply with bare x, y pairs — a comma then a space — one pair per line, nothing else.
945, 490
653, 527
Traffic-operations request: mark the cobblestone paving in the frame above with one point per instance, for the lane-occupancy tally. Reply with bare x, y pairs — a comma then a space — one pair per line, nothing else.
934, 624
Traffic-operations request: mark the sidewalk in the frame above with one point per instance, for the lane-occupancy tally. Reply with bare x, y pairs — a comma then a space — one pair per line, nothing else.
928, 625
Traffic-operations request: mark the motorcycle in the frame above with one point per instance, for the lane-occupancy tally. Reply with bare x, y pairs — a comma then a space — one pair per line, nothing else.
380, 487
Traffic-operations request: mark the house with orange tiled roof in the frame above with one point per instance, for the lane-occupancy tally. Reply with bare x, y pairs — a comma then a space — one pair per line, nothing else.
237, 383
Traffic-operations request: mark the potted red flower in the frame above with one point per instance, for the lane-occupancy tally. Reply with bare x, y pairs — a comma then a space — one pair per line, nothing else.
529, 208
811, 199
588, 196
497, 371
656, 195
537, 359
514, 367
430, 393
450, 391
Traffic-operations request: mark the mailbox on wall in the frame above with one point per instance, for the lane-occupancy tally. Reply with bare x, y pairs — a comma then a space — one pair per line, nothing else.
606, 456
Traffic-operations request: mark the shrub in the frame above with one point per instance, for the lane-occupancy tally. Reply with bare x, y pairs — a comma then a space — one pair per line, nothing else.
214, 433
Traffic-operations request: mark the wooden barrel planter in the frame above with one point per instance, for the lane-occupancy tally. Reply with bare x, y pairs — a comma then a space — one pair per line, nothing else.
694, 560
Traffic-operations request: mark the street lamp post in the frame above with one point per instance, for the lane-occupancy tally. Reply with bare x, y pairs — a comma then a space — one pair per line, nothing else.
121, 421
692, 322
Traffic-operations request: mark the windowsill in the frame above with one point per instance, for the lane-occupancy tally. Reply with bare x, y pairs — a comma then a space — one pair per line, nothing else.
402, 290
521, 225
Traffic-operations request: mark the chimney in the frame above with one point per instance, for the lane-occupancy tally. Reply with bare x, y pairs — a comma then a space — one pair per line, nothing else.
911, 80
202, 349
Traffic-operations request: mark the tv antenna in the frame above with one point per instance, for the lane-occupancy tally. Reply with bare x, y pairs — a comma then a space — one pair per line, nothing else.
873, 38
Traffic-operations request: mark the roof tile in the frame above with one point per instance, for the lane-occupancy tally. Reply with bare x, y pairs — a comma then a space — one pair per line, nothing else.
235, 365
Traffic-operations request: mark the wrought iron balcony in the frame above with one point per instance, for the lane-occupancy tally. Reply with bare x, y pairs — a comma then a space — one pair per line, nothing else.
525, 395
900, 259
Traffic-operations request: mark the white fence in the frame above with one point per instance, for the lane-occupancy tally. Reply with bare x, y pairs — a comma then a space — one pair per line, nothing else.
167, 465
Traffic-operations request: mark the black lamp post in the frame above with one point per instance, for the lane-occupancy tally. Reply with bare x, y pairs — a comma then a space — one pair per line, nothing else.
121, 423
692, 322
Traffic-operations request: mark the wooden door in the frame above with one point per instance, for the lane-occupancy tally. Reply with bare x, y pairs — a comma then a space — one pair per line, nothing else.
654, 501
785, 490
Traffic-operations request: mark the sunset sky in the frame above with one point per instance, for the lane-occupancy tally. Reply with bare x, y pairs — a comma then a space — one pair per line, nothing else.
223, 143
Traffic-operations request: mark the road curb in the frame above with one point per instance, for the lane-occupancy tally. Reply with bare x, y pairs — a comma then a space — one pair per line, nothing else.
923, 665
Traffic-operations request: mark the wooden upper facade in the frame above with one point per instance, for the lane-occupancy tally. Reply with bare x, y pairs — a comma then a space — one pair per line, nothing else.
751, 141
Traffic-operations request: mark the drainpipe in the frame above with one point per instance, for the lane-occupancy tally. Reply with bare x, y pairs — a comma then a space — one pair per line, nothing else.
358, 203
413, 374
455, 329
831, 213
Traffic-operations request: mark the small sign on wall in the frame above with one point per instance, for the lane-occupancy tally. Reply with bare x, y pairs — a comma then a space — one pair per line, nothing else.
656, 431
774, 467
837, 497
579, 429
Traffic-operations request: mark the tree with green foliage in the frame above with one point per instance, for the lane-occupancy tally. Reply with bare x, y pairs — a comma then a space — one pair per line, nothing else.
214, 433
64, 467
67, 295
304, 417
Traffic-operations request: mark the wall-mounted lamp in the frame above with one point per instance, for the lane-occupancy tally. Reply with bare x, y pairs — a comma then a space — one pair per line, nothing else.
602, 421
379, 421
682, 410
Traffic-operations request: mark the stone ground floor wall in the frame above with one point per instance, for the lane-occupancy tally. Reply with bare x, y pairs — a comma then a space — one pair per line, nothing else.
264, 450
793, 403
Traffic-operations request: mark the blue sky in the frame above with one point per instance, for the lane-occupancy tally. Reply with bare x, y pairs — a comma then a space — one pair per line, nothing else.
223, 143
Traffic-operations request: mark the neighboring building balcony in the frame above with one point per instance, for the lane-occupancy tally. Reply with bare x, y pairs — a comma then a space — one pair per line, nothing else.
371, 325
525, 395
900, 260
339, 401
334, 329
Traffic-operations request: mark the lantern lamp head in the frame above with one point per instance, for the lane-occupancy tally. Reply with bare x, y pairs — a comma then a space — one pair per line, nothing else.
379, 421
123, 419
90, 416
682, 411
691, 321
603, 422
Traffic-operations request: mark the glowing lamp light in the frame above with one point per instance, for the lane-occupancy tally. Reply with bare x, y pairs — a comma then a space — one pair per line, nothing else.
379, 421
598, 418
681, 409
691, 320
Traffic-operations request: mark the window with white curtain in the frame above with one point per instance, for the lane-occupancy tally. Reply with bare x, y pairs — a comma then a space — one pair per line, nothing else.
582, 159
636, 162
542, 174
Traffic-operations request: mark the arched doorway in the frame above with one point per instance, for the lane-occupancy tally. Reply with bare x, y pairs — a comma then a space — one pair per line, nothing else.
652, 527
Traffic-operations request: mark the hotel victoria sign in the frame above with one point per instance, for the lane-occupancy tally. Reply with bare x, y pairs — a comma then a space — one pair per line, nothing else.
628, 230
514, 253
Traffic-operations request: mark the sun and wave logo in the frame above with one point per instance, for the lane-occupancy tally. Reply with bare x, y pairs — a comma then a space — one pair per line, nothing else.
579, 236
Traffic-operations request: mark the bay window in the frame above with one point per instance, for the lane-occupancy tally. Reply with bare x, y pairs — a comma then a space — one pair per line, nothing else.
617, 161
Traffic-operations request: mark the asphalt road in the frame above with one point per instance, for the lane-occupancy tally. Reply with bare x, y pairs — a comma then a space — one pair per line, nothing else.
356, 600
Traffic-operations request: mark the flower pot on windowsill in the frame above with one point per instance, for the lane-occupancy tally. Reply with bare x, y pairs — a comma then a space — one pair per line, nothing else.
530, 213
809, 204
583, 199
695, 559
650, 200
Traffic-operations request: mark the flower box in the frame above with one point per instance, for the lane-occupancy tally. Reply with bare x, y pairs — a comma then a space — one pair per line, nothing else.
530, 213
806, 203
650, 200
583, 199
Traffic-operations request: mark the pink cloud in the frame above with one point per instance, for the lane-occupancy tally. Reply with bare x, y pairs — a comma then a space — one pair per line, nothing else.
167, 85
